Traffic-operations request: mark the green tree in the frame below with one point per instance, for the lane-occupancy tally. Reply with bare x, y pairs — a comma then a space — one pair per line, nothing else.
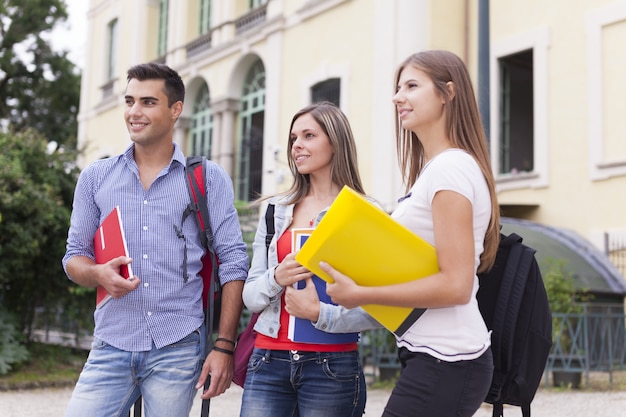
39, 87
36, 188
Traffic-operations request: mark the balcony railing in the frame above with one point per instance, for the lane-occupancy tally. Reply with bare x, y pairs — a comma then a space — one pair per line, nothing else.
198, 45
251, 19
243, 24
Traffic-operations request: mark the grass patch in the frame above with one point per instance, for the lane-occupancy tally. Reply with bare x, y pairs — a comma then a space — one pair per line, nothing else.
49, 365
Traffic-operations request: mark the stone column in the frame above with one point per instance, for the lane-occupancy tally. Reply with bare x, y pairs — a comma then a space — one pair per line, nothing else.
227, 109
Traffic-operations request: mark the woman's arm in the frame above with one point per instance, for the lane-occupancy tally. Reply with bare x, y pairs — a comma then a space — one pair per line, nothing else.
452, 285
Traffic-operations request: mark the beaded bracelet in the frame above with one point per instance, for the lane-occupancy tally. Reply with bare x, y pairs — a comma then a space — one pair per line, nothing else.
226, 351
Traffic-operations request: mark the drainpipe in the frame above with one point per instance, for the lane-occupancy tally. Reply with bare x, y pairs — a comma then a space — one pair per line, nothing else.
466, 32
483, 64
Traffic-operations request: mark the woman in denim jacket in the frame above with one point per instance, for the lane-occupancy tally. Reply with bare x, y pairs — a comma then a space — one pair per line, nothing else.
287, 378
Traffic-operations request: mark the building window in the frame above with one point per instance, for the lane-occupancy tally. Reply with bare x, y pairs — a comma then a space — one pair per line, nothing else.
519, 110
605, 30
516, 113
201, 130
205, 16
253, 4
111, 59
251, 116
163, 19
328, 90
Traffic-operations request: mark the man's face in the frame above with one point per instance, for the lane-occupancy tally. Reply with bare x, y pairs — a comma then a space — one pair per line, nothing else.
148, 118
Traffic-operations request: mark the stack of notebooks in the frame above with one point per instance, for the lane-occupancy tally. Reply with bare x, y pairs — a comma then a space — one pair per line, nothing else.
302, 330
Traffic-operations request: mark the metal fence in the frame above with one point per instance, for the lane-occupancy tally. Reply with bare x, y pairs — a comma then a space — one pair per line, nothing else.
615, 249
591, 341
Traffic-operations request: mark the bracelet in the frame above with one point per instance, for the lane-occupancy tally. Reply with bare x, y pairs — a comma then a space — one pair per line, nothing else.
223, 339
226, 351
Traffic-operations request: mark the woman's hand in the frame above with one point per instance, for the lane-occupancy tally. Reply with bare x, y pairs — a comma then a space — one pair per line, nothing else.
289, 271
303, 303
344, 291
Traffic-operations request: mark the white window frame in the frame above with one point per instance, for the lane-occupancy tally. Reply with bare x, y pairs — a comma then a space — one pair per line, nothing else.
112, 49
596, 20
539, 41
322, 73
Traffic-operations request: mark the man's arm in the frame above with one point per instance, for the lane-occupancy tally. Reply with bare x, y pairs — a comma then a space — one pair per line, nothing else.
85, 272
233, 271
219, 364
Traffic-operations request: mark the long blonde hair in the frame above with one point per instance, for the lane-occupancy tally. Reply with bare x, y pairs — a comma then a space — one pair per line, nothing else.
463, 127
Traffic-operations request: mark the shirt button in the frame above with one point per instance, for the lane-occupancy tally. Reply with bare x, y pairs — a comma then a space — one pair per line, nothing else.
145, 201
145, 228
145, 256
145, 284
149, 313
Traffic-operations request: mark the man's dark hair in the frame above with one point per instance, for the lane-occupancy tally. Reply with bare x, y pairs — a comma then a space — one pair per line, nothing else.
174, 87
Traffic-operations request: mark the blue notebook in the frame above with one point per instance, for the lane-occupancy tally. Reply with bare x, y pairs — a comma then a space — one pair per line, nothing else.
302, 330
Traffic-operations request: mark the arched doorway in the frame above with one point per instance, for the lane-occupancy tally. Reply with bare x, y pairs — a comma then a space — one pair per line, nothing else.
251, 116
201, 127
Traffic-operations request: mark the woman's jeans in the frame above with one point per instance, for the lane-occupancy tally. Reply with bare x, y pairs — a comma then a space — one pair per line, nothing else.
284, 383
429, 387
113, 379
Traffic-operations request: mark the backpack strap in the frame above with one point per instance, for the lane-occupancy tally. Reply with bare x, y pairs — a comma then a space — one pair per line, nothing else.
269, 225
507, 309
195, 178
196, 181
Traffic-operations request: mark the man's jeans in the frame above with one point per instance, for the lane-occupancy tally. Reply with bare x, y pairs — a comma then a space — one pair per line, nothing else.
306, 384
113, 379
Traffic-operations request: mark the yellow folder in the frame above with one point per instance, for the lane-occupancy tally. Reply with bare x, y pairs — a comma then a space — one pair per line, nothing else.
365, 243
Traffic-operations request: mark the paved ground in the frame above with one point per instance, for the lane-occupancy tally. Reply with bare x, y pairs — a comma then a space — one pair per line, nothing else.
548, 403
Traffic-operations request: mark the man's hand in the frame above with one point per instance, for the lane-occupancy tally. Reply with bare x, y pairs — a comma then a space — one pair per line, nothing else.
218, 367
108, 276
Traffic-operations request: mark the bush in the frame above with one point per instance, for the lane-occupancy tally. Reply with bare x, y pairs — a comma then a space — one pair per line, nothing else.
12, 352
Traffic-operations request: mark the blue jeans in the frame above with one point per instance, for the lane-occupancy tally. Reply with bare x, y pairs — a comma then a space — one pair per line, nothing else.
113, 379
284, 383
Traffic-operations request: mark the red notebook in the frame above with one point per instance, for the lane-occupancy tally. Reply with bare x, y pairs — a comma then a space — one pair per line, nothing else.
109, 243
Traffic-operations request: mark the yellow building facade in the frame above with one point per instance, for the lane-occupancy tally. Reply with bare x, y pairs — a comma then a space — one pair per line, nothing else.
555, 114
250, 65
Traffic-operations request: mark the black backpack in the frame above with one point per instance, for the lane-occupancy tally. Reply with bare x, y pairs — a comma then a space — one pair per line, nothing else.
513, 302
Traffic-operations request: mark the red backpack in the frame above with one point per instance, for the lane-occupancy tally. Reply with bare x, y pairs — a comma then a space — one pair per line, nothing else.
195, 173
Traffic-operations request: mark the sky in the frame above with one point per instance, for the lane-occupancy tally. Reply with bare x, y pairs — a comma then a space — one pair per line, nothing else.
71, 35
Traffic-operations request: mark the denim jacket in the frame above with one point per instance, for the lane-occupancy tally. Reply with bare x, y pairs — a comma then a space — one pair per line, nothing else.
261, 292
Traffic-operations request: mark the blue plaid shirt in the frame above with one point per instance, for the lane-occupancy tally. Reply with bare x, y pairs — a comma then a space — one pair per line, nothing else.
164, 308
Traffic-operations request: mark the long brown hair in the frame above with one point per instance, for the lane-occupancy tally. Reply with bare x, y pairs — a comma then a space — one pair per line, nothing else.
463, 126
344, 166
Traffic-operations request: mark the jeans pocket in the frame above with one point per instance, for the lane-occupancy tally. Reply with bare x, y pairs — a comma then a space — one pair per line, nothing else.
256, 362
342, 367
98, 344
